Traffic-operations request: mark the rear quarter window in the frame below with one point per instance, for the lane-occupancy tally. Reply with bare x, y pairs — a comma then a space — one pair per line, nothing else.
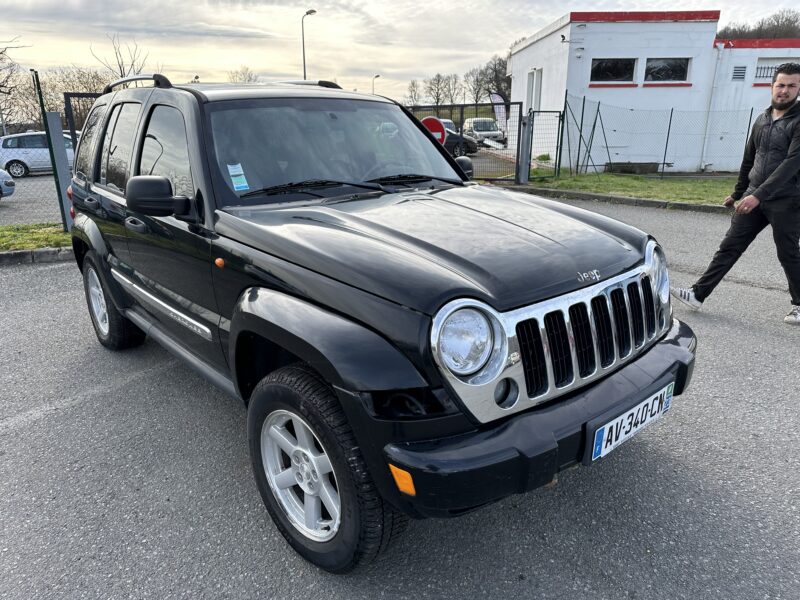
83, 160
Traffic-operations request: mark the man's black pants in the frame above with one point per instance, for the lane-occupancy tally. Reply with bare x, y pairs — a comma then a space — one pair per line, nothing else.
785, 220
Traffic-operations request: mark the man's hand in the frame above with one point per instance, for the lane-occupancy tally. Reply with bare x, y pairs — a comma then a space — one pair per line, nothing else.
729, 201
747, 205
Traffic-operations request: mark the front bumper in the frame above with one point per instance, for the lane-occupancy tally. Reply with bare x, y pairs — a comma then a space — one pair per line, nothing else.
455, 474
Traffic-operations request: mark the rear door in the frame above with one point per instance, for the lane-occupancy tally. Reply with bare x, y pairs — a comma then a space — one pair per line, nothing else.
36, 151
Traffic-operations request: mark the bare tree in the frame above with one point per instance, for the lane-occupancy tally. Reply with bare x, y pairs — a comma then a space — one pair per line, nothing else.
22, 105
128, 58
452, 88
495, 79
783, 24
242, 75
9, 71
435, 89
474, 86
413, 94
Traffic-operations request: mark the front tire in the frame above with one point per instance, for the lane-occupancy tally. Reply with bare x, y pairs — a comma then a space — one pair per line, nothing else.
311, 474
459, 150
113, 329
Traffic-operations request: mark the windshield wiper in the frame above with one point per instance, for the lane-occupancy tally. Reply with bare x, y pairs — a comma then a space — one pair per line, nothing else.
413, 178
304, 186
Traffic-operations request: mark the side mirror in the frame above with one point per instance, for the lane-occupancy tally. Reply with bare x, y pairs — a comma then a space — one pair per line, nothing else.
152, 195
465, 162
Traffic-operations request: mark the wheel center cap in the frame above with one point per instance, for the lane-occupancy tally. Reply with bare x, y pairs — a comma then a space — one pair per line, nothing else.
305, 473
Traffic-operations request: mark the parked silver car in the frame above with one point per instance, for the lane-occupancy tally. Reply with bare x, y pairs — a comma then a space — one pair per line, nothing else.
7, 185
24, 153
483, 128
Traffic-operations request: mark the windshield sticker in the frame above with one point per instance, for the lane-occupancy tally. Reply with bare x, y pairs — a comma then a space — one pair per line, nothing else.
237, 177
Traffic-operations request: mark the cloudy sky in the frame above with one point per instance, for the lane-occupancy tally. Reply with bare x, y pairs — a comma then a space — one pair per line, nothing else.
347, 40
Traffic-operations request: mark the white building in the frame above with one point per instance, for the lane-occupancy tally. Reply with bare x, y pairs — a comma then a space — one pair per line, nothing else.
638, 69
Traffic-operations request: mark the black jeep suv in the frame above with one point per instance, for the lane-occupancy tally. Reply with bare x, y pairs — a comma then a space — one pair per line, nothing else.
407, 343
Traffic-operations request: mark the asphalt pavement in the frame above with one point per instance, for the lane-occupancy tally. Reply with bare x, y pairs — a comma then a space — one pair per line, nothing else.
125, 475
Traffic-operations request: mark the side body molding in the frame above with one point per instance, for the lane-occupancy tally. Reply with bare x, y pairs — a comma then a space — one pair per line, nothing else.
345, 353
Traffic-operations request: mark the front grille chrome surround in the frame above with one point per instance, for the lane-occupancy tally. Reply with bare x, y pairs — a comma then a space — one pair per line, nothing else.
559, 345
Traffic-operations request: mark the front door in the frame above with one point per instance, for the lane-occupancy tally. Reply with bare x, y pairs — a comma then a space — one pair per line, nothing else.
171, 258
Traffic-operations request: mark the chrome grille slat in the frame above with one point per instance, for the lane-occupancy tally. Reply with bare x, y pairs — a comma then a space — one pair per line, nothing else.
595, 335
631, 327
605, 330
560, 348
649, 303
547, 357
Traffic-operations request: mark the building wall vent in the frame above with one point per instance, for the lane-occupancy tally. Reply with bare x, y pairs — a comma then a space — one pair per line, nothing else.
739, 73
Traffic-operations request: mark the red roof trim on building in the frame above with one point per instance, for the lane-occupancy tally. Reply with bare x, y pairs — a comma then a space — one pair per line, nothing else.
613, 85
641, 16
760, 43
762, 85
676, 84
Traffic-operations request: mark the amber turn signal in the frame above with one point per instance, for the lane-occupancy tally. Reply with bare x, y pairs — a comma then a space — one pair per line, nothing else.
219, 262
403, 480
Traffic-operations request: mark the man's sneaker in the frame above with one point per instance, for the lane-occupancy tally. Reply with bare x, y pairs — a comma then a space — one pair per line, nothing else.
686, 295
793, 318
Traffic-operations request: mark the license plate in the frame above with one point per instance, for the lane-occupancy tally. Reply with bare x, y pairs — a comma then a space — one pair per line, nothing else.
629, 423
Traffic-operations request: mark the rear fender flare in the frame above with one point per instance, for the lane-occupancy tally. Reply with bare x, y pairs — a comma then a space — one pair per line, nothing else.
345, 353
86, 230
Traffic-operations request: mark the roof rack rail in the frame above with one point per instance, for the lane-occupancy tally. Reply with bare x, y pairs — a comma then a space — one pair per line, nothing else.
158, 81
320, 83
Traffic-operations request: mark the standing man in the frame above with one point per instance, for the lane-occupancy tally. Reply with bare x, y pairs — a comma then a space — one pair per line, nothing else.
767, 192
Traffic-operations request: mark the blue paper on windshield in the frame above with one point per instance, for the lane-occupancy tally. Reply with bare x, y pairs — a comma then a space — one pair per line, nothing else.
237, 177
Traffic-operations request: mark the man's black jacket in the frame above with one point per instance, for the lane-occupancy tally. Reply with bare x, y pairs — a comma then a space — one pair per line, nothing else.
771, 165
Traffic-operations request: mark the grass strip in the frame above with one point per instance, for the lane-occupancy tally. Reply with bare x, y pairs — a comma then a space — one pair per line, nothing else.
30, 237
694, 190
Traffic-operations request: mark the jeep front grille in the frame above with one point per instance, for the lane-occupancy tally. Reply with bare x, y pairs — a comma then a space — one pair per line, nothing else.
568, 344
559, 345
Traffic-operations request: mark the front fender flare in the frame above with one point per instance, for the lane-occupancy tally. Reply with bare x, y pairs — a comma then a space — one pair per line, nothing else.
345, 353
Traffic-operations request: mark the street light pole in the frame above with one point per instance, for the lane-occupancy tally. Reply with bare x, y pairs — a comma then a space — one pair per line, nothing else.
303, 36
374, 77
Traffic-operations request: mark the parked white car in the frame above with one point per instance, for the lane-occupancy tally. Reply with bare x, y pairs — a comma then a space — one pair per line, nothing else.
24, 153
483, 128
7, 185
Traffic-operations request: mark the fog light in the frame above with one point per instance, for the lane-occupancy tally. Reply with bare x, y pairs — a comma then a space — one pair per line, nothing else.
506, 393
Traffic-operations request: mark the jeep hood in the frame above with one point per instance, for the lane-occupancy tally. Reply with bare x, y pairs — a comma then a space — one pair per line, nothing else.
422, 249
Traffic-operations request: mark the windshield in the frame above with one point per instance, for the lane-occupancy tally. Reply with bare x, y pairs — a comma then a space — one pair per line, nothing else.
259, 144
487, 125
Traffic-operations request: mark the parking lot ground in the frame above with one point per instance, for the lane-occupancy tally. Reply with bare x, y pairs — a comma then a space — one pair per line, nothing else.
34, 201
127, 475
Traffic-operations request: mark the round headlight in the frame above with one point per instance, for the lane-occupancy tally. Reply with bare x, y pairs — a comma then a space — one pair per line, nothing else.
465, 341
661, 275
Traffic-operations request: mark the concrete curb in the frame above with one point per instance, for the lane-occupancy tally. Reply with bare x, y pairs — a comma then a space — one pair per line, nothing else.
40, 255
648, 202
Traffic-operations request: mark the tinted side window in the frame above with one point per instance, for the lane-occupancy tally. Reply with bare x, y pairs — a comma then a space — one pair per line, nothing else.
165, 151
11, 143
102, 172
34, 141
83, 160
119, 154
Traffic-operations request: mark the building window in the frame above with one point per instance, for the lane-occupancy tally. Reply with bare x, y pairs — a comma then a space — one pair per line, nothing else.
667, 69
613, 69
